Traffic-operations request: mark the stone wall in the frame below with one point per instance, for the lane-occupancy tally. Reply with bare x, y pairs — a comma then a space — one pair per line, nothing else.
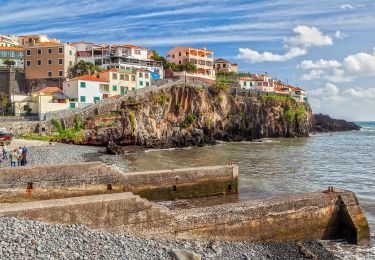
82, 179
13, 82
19, 128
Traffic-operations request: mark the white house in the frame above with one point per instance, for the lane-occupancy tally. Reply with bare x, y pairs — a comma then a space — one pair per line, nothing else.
247, 83
86, 90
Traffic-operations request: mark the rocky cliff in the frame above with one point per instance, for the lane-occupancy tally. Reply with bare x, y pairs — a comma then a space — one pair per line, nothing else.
181, 116
324, 123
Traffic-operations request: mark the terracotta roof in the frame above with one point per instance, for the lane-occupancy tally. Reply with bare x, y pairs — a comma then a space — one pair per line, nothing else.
187, 47
48, 43
221, 60
50, 90
129, 46
87, 78
245, 78
10, 48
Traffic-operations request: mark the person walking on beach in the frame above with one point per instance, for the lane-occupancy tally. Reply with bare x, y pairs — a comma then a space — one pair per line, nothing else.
14, 158
24, 153
19, 151
5, 152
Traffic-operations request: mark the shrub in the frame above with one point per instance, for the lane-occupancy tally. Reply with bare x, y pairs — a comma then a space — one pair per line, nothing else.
190, 119
78, 123
301, 112
220, 99
132, 122
56, 124
289, 115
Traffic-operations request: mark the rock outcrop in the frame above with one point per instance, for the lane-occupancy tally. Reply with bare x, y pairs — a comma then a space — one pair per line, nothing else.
324, 123
183, 115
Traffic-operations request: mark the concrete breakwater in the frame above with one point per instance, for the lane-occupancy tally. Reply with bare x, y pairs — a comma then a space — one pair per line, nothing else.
103, 198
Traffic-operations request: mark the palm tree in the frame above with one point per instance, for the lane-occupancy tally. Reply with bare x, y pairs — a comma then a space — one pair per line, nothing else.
83, 68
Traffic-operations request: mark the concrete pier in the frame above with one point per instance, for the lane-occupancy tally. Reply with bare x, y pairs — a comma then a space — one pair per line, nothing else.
307, 216
83, 179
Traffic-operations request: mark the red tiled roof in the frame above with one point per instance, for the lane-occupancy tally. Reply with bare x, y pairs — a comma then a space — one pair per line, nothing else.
48, 43
50, 90
87, 78
245, 78
3, 48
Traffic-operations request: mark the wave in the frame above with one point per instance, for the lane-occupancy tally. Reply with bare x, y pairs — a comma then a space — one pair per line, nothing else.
166, 149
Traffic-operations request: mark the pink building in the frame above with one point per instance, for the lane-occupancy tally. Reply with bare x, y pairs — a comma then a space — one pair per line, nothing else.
202, 58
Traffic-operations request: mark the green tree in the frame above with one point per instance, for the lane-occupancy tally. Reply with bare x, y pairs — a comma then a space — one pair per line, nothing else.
156, 57
83, 68
9, 63
188, 67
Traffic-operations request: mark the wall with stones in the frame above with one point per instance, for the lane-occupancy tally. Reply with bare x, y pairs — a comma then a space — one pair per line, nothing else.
19, 128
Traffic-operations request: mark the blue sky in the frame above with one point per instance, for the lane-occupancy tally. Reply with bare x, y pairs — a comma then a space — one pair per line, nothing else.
326, 47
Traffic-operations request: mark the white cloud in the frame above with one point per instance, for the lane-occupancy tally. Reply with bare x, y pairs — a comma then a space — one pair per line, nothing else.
346, 7
255, 57
352, 104
340, 35
309, 37
298, 46
353, 66
320, 64
361, 63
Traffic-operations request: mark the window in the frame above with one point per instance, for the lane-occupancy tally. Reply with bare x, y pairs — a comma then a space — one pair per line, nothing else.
114, 88
126, 77
49, 50
28, 63
60, 50
70, 63
147, 84
61, 73
141, 83
179, 62
82, 99
70, 52
137, 52
146, 75
28, 52
60, 61
121, 76
39, 51
133, 78
49, 62
122, 90
96, 99
39, 63
244, 83
179, 54
49, 73
224, 65
83, 84
114, 75
26, 107
140, 75
173, 56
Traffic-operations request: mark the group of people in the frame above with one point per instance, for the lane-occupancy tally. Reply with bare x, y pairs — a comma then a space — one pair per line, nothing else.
18, 157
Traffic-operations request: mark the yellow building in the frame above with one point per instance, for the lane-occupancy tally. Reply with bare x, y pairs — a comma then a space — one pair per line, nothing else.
49, 60
201, 58
39, 103
121, 81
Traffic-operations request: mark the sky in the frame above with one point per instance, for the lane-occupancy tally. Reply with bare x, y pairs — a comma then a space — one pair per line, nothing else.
325, 47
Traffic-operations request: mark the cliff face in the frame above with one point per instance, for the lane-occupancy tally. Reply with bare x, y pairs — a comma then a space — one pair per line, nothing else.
324, 123
184, 116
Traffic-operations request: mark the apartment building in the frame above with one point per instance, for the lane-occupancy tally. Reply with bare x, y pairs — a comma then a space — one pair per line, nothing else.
49, 60
8, 41
225, 66
120, 56
120, 81
12, 53
86, 90
30, 40
202, 58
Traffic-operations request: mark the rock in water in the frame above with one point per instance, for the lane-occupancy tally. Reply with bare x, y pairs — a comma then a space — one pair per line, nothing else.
324, 123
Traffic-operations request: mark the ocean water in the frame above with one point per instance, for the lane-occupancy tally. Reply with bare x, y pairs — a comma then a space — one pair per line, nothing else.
343, 160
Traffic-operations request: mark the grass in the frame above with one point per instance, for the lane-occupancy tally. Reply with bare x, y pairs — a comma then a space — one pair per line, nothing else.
132, 122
